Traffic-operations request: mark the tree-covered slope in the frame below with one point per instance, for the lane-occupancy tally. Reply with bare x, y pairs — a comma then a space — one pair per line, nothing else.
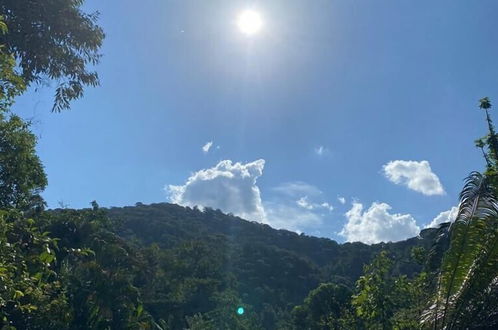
195, 257
168, 225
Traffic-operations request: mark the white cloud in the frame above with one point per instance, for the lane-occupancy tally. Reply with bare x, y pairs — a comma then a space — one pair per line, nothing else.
296, 189
327, 206
286, 216
296, 206
230, 187
321, 150
341, 200
446, 216
417, 176
304, 203
207, 146
377, 225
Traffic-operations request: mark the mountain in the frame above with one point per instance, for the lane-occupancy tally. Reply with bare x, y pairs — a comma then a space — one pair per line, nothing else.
266, 268
169, 225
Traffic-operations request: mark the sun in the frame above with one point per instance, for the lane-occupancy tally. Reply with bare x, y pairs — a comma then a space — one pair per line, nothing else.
249, 22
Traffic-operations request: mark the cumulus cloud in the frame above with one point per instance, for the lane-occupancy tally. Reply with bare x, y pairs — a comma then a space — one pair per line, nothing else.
446, 216
306, 204
230, 187
207, 146
417, 176
341, 200
377, 224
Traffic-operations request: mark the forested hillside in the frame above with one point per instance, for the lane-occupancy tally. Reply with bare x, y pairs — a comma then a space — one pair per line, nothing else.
185, 262
168, 225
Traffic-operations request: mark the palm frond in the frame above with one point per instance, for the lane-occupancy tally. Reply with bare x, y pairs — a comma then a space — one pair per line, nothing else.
460, 262
479, 282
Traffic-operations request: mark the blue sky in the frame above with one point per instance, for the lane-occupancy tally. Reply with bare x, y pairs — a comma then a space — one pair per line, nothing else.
369, 82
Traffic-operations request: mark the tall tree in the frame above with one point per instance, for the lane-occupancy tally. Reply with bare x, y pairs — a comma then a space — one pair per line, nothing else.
323, 308
375, 302
467, 288
22, 177
470, 266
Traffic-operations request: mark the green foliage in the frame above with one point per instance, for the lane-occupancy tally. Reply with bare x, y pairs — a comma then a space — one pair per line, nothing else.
470, 265
490, 141
375, 301
198, 322
99, 271
32, 294
11, 83
411, 300
193, 257
485, 103
21, 173
466, 294
225, 316
50, 40
381, 300
385, 301
323, 308
419, 254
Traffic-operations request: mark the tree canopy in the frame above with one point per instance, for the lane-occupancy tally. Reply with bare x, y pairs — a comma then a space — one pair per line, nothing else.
22, 177
51, 40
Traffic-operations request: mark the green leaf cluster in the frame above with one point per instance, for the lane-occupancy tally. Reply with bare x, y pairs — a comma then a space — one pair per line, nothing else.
22, 177
48, 40
32, 293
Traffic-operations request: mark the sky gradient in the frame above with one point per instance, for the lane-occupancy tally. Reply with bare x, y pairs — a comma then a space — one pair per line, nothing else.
361, 102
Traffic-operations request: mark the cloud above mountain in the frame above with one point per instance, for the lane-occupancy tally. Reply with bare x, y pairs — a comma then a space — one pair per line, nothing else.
305, 203
230, 187
297, 189
417, 176
446, 216
290, 217
377, 224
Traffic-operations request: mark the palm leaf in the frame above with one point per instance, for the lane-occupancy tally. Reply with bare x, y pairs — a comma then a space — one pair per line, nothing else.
480, 280
459, 265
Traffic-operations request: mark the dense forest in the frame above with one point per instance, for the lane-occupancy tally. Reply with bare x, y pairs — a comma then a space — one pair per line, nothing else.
163, 266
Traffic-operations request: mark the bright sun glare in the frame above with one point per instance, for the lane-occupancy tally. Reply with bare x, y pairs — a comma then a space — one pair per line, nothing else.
250, 22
